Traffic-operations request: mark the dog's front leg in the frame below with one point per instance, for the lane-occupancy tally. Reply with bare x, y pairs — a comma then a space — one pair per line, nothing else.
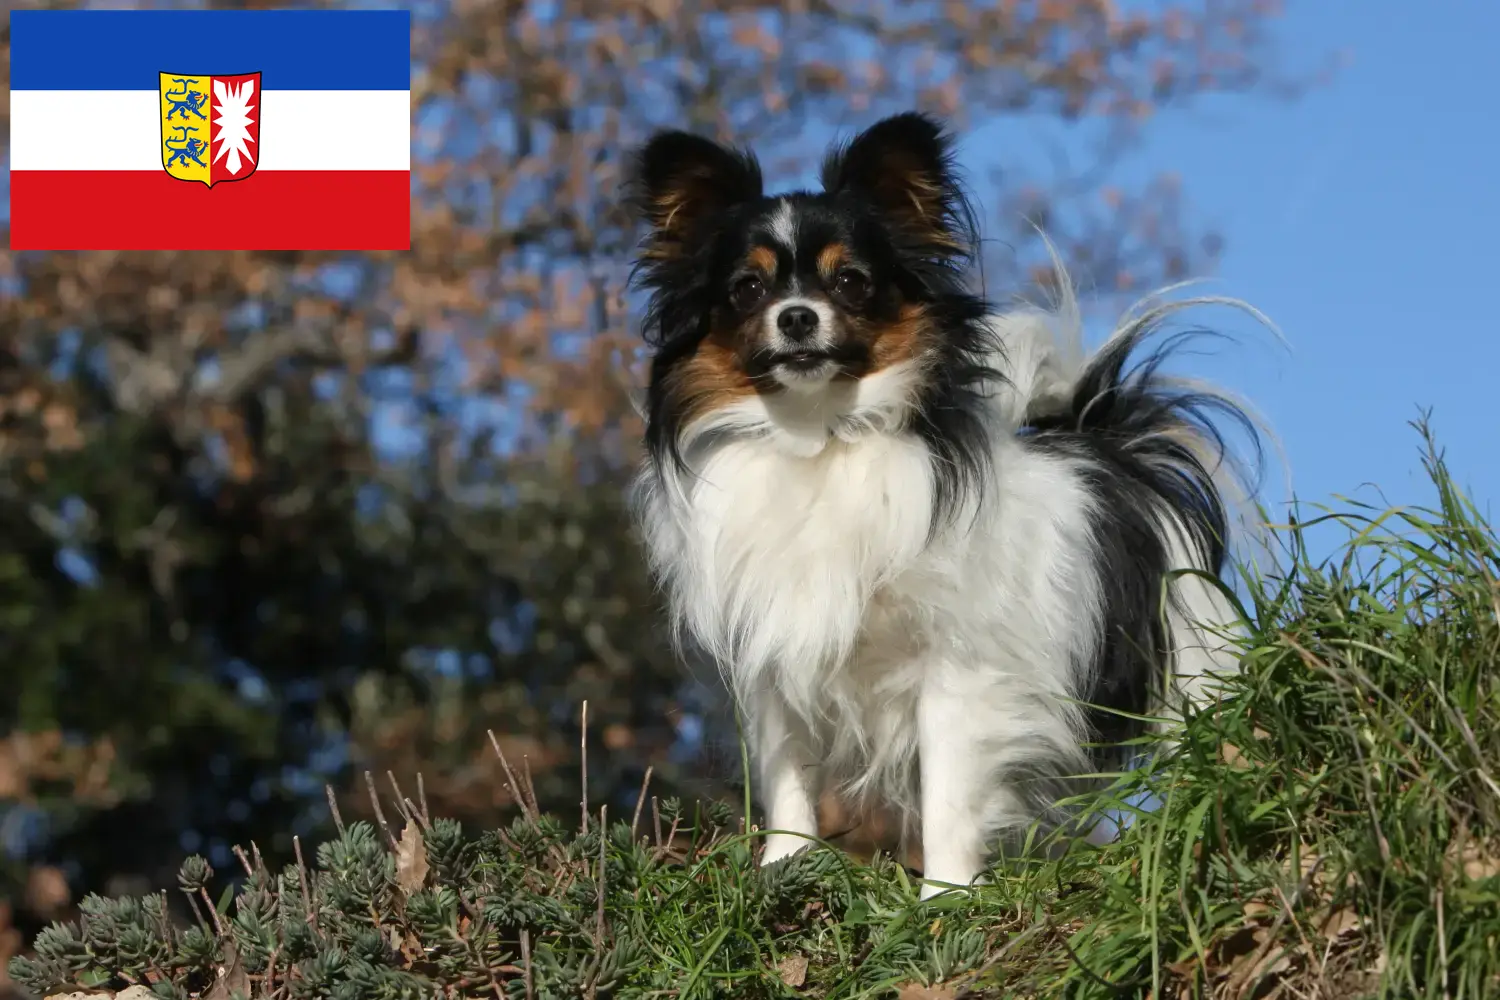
954, 778
790, 779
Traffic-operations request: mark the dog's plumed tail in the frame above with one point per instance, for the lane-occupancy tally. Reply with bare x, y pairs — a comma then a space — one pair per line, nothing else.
1160, 453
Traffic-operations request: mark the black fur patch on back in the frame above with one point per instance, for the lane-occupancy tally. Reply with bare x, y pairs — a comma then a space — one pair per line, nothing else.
1130, 430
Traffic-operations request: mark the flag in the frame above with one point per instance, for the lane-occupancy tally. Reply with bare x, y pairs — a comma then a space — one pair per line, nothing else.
210, 130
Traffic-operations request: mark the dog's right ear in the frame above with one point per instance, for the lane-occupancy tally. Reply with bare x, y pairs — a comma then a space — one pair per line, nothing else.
678, 180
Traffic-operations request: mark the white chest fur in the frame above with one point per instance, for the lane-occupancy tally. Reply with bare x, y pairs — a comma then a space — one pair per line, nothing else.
782, 554
799, 573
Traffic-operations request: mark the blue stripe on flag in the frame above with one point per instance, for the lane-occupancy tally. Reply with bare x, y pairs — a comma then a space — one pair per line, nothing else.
293, 49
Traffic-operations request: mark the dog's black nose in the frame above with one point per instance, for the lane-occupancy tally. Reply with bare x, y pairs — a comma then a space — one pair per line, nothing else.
797, 322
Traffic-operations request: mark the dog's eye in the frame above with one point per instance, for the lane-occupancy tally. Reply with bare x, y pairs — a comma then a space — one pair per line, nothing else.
747, 292
851, 285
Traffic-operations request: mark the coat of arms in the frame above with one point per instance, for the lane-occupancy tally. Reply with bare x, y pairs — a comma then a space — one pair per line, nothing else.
210, 126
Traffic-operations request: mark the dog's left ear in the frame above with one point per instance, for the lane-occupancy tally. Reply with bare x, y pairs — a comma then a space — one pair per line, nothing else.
904, 166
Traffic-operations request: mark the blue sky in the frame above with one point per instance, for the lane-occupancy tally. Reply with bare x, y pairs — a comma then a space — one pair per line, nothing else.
1363, 219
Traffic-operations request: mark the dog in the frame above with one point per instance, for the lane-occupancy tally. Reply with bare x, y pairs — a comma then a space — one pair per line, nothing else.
943, 558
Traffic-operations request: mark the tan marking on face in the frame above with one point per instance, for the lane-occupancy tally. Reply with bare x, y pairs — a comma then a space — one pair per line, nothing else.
831, 258
711, 379
903, 339
763, 259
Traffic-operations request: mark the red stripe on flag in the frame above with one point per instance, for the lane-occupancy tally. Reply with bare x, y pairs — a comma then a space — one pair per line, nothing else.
269, 210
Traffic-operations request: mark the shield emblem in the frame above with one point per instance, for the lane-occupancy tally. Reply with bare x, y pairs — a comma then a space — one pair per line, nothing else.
210, 126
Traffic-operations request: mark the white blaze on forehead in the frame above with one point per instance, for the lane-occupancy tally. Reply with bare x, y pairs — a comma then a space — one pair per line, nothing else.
783, 226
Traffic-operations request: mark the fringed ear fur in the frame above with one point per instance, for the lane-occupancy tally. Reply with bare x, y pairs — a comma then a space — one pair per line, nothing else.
679, 180
903, 166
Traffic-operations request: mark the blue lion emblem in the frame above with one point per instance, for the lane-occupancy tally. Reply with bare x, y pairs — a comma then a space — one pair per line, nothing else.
189, 102
188, 148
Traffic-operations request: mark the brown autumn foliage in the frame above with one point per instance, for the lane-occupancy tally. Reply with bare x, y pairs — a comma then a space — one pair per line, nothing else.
343, 512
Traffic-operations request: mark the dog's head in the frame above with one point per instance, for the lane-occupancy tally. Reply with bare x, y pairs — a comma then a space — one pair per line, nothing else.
800, 293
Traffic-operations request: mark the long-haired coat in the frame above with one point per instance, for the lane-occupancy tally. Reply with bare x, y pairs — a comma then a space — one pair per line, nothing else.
926, 542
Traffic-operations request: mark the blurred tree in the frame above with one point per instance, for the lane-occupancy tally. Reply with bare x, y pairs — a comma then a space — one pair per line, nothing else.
270, 519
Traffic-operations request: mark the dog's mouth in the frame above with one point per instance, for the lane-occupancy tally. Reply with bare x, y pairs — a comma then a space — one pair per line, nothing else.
802, 360
813, 361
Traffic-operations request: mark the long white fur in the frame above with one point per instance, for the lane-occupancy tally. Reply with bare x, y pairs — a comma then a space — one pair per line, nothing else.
915, 669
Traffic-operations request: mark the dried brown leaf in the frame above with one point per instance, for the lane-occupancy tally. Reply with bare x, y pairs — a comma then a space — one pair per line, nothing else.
916, 991
1477, 865
793, 970
1233, 756
1341, 923
1471, 857
411, 860
1257, 909
1249, 971
232, 978
1468, 858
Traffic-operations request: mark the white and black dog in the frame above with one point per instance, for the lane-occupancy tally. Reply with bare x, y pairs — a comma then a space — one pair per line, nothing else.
933, 547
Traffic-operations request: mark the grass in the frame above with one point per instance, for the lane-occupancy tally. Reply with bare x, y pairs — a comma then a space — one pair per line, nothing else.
1331, 828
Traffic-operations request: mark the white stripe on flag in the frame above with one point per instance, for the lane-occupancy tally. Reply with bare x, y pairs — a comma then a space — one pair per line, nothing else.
121, 130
